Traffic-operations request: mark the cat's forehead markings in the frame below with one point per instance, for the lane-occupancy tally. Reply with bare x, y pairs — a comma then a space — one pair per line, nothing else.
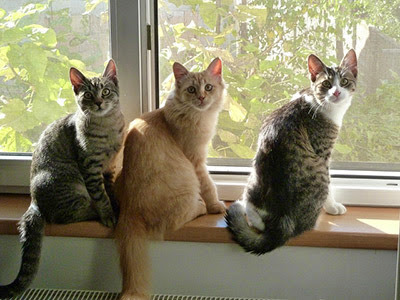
94, 82
196, 79
331, 73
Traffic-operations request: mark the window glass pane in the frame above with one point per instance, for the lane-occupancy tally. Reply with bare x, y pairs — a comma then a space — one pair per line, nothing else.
39, 42
264, 46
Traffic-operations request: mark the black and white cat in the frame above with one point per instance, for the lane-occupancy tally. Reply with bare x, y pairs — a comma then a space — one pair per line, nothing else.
290, 183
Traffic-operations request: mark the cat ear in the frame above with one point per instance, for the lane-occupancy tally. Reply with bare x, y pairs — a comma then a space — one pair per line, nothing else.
350, 62
111, 72
315, 66
179, 71
77, 79
215, 67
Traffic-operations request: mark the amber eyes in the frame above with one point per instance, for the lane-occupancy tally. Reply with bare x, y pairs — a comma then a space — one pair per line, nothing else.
191, 89
344, 81
87, 95
105, 92
326, 84
208, 87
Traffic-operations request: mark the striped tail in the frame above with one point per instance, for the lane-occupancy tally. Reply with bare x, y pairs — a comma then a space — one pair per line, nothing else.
249, 238
31, 233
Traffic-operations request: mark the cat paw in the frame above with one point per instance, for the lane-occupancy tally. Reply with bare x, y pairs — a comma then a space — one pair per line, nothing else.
109, 221
335, 208
216, 208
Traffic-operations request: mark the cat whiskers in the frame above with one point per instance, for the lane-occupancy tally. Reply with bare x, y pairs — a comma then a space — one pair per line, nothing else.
87, 115
316, 106
320, 107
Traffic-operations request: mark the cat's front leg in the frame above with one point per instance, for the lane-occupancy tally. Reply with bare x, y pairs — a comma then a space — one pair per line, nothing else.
94, 182
331, 206
208, 191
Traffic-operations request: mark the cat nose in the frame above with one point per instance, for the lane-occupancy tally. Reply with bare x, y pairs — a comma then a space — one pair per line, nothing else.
201, 98
336, 93
98, 103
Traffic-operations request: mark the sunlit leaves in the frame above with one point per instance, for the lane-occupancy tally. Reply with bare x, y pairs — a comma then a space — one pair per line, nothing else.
342, 149
242, 151
208, 12
34, 70
264, 47
12, 141
31, 57
237, 112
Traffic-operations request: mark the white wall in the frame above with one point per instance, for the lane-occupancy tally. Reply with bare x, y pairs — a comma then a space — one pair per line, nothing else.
214, 269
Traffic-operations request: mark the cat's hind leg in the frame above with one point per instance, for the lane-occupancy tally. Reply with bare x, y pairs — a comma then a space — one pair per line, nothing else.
70, 203
255, 216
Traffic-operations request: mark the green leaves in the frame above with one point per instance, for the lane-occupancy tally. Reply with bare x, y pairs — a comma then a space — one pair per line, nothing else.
208, 12
34, 68
45, 36
12, 141
30, 57
268, 64
242, 151
16, 115
342, 149
237, 112
264, 47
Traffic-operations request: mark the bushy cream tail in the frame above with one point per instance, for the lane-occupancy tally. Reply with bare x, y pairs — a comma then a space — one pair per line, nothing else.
135, 264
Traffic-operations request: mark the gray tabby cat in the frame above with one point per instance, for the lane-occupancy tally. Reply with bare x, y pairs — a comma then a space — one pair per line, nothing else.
71, 167
289, 183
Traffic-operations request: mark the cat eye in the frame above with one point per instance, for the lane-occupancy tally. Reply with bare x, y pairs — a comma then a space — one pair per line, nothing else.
208, 87
326, 84
87, 95
105, 92
191, 89
344, 81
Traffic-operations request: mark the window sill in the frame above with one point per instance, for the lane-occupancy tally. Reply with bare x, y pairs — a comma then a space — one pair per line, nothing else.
360, 227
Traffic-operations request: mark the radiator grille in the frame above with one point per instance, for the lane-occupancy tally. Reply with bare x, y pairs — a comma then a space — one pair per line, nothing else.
47, 294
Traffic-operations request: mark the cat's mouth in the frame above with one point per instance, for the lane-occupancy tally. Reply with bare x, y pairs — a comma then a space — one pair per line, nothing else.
334, 99
201, 104
100, 110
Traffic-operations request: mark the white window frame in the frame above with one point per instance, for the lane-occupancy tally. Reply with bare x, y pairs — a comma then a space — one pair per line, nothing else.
136, 63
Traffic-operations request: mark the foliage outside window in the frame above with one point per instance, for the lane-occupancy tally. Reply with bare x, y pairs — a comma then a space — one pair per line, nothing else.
39, 42
264, 46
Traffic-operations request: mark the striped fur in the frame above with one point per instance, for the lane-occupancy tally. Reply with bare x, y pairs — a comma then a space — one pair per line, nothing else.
289, 183
72, 166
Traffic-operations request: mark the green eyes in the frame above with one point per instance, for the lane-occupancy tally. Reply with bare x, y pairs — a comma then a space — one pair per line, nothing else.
208, 87
344, 81
326, 84
192, 89
105, 92
87, 95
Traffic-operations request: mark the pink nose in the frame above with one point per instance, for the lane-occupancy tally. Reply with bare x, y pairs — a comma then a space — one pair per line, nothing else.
201, 98
336, 93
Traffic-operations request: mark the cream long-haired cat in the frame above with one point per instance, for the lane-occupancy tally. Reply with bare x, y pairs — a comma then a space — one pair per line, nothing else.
164, 182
